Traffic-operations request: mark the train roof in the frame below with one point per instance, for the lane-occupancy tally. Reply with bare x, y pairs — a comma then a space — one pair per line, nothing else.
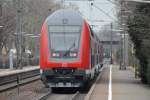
64, 16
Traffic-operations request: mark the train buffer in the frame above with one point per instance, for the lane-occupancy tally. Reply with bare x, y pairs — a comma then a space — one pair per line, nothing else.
120, 85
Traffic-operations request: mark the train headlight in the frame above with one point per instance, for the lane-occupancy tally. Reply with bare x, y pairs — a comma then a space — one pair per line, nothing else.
41, 71
87, 71
55, 54
73, 54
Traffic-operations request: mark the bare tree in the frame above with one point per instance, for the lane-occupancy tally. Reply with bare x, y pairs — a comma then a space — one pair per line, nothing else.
33, 14
8, 21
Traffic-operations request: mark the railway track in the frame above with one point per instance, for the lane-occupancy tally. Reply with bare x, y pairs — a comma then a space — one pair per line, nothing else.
35, 90
63, 96
45, 97
75, 96
12, 80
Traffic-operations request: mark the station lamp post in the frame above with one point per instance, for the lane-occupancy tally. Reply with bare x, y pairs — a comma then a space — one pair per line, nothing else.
124, 50
19, 34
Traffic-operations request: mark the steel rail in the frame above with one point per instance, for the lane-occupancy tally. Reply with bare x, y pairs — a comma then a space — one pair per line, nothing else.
16, 79
45, 97
75, 96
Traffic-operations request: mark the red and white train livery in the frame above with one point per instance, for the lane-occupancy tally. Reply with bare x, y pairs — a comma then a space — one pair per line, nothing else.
70, 53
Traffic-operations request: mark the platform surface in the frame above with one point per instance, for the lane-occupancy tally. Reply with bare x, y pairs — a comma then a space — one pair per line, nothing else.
5, 72
124, 86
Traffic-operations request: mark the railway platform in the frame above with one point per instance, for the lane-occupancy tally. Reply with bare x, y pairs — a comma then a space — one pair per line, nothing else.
120, 85
12, 77
6, 72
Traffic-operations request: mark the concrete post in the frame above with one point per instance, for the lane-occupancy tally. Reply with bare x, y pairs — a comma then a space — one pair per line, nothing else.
111, 40
11, 59
126, 50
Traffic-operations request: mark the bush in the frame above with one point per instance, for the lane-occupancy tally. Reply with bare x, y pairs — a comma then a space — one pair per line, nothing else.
139, 31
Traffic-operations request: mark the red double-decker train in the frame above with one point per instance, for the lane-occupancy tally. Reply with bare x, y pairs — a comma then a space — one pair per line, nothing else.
70, 53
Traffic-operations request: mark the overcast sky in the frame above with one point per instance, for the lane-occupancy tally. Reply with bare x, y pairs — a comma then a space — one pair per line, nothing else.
93, 13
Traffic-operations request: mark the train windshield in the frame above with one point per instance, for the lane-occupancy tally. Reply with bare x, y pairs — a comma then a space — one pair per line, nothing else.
64, 41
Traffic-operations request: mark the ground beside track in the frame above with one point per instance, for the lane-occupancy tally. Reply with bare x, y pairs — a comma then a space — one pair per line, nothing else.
31, 91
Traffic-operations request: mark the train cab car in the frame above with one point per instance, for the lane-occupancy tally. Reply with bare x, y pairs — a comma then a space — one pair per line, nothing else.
69, 50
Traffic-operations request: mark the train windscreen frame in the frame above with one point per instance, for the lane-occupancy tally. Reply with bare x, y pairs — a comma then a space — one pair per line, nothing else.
64, 41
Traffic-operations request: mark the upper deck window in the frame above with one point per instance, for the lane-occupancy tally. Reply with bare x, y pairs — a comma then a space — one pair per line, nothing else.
66, 29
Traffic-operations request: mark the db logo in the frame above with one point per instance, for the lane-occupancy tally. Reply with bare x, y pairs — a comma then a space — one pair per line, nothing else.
64, 64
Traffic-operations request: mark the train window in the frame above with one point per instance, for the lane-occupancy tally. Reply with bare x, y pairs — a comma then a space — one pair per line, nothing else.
92, 60
97, 59
58, 29
64, 41
92, 57
92, 33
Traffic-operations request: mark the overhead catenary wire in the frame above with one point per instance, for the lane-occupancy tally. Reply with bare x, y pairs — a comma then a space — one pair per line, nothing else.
104, 12
138, 1
112, 2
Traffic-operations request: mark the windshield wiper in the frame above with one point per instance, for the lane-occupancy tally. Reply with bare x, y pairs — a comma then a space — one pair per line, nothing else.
72, 46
